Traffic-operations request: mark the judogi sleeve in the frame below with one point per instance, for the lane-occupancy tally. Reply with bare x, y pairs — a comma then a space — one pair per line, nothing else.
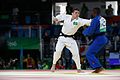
91, 29
82, 22
61, 17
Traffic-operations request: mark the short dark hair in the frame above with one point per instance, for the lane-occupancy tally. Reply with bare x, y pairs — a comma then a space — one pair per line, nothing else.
75, 9
98, 11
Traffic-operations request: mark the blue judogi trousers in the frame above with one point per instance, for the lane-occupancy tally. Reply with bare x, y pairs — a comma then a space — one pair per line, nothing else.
98, 44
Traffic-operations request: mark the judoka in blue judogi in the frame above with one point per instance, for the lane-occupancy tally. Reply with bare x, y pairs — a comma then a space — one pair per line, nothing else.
96, 30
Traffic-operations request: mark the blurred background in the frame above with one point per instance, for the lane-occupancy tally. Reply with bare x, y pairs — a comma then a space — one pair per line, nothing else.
28, 35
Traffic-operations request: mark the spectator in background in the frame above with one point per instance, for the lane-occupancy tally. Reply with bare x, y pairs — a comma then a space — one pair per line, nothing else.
45, 65
59, 65
12, 64
4, 29
69, 9
36, 18
84, 11
68, 58
73, 65
2, 64
30, 62
109, 11
39, 64
46, 39
15, 12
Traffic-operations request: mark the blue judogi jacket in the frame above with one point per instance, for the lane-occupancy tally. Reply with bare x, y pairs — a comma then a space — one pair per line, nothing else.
97, 27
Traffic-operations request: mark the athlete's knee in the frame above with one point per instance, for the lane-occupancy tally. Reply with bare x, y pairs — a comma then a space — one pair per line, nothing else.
58, 52
75, 56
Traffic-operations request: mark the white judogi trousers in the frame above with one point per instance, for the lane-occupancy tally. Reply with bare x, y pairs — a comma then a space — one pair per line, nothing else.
69, 43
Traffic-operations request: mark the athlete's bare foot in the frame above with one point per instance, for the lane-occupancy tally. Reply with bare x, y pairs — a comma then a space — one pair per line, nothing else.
80, 71
53, 68
98, 70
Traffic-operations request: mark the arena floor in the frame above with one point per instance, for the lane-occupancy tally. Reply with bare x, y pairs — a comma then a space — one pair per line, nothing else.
58, 75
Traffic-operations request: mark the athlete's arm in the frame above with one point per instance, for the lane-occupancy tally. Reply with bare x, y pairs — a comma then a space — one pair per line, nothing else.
91, 29
84, 22
59, 18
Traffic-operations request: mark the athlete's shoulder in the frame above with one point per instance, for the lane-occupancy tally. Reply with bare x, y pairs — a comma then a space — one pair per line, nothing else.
97, 18
62, 16
80, 19
68, 16
102, 18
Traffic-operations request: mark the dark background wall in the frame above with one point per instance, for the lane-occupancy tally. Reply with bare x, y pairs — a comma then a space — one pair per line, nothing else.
28, 7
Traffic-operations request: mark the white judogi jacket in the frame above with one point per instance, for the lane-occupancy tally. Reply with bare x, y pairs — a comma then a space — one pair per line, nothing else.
71, 27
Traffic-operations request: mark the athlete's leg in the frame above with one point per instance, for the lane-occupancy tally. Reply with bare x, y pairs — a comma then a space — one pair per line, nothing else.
57, 54
94, 49
73, 47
